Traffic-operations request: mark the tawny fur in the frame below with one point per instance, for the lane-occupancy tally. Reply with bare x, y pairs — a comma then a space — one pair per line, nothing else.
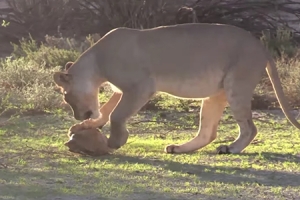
218, 64
88, 141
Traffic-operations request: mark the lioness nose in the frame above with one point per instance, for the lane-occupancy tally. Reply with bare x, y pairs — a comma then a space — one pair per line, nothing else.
88, 114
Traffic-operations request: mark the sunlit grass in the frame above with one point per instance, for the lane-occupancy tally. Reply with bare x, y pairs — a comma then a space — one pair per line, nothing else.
36, 165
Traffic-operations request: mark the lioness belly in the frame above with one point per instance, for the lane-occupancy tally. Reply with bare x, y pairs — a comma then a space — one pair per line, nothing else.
190, 88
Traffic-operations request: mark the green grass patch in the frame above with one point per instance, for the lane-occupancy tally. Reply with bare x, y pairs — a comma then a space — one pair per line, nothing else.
34, 164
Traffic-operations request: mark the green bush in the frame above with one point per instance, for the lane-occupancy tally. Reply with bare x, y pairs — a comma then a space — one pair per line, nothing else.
289, 70
44, 55
281, 43
285, 52
26, 78
27, 86
289, 73
26, 82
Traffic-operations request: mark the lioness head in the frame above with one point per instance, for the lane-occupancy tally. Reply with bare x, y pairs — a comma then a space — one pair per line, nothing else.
79, 92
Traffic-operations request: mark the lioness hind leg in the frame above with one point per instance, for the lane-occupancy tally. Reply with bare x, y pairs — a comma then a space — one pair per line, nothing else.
131, 102
241, 108
108, 107
210, 114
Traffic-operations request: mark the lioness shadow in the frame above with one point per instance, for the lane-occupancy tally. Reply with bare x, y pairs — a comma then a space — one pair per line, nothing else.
231, 175
275, 157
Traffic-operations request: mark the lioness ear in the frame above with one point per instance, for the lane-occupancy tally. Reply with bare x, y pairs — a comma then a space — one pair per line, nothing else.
68, 65
62, 79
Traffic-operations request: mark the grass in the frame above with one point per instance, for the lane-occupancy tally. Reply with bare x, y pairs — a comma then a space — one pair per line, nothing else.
34, 164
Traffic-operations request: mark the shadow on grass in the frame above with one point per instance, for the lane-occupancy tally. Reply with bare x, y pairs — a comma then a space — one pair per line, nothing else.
275, 157
53, 185
230, 175
268, 156
37, 191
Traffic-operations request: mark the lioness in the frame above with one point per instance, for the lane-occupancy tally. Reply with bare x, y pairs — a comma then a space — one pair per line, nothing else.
214, 63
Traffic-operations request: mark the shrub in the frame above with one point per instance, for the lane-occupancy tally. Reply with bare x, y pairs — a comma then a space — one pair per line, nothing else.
46, 55
55, 51
281, 43
289, 70
284, 50
25, 85
26, 81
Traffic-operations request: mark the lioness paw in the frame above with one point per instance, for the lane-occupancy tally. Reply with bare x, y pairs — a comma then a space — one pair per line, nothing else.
173, 148
89, 123
223, 149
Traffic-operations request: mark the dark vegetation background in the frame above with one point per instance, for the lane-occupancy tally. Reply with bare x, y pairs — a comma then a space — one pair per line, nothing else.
40, 36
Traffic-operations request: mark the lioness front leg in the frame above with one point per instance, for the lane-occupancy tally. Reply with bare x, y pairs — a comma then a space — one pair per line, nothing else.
131, 102
105, 111
210, 114
107, 108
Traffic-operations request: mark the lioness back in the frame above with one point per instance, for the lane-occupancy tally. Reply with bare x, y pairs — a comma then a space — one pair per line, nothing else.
189, 52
